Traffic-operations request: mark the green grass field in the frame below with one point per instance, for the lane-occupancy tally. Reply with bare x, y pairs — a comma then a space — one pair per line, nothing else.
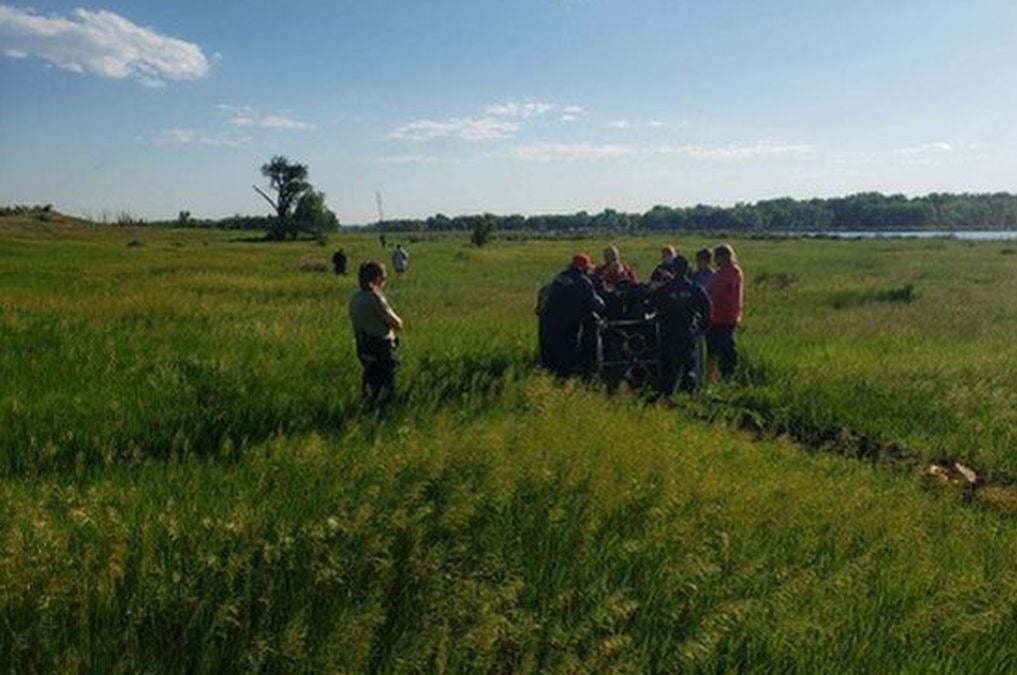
188, 486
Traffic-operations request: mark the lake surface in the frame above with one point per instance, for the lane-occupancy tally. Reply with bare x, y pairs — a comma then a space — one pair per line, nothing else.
978, 235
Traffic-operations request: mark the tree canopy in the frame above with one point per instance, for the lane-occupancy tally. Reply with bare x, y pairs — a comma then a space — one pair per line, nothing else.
297, 205
864, 211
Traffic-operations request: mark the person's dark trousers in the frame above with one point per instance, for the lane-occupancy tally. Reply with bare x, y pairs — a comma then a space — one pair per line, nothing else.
677, 366
377, 385
589, 349
721, 344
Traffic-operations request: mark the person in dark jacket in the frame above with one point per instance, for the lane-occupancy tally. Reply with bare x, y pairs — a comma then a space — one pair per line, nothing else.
684, 309
339, 261
568, 321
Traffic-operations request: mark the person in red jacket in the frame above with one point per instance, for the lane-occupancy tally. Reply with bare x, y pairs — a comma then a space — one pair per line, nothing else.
726, 293
614, 272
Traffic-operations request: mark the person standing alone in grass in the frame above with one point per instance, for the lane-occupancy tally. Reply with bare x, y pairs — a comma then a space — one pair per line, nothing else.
374, 325
727, 295
400, 259
339, 260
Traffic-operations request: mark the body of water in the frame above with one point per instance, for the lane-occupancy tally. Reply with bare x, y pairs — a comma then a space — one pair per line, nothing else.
977, 235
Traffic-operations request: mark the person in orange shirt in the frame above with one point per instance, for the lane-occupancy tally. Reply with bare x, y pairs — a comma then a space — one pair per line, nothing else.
727, 296
614, 272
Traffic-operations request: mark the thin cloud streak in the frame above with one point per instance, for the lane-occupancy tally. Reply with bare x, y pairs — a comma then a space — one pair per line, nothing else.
419, 159
935, 147
531, 108
736, 151
179, 136
521, 109
246, 116
463, 128
551, 152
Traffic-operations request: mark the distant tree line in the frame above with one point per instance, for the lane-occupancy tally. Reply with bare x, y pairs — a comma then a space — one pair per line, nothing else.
864, 211
25, 209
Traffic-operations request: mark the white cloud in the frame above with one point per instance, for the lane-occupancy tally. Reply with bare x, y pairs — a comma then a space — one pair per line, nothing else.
405, 159
551, 152
739, 151
419, 159
178, 136
532, 108
935, 147
521, 109
463, 128
570, 113
243, 122
625, 123
246, 116
100, 43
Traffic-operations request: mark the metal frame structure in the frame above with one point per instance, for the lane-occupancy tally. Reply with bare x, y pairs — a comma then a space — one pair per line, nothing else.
629, 349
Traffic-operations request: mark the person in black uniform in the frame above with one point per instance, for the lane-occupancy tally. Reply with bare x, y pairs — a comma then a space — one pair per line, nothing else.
339, 261
568, 321
684, 311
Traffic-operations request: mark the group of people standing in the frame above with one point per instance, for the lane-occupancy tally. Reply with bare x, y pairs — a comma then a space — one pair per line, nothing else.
689, 304
400, 260
692, 307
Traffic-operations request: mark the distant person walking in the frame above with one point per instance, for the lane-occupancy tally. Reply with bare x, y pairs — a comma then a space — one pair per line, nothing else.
339, 261
382, 241
400, 259
726, 292
374, 325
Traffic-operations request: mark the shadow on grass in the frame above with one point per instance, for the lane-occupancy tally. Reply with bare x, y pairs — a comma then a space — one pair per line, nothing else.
903, 295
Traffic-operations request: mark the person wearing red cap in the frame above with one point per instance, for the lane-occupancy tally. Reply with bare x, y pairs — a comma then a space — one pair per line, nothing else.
568, 319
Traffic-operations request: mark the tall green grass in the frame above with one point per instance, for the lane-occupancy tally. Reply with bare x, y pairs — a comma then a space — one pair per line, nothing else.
192, 340
556, 532
187, 483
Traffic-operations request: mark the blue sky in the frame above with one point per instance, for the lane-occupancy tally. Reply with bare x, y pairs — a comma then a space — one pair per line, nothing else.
529, 106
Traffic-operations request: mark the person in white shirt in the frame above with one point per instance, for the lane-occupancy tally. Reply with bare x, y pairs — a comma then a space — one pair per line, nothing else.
400, 259
374, 325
